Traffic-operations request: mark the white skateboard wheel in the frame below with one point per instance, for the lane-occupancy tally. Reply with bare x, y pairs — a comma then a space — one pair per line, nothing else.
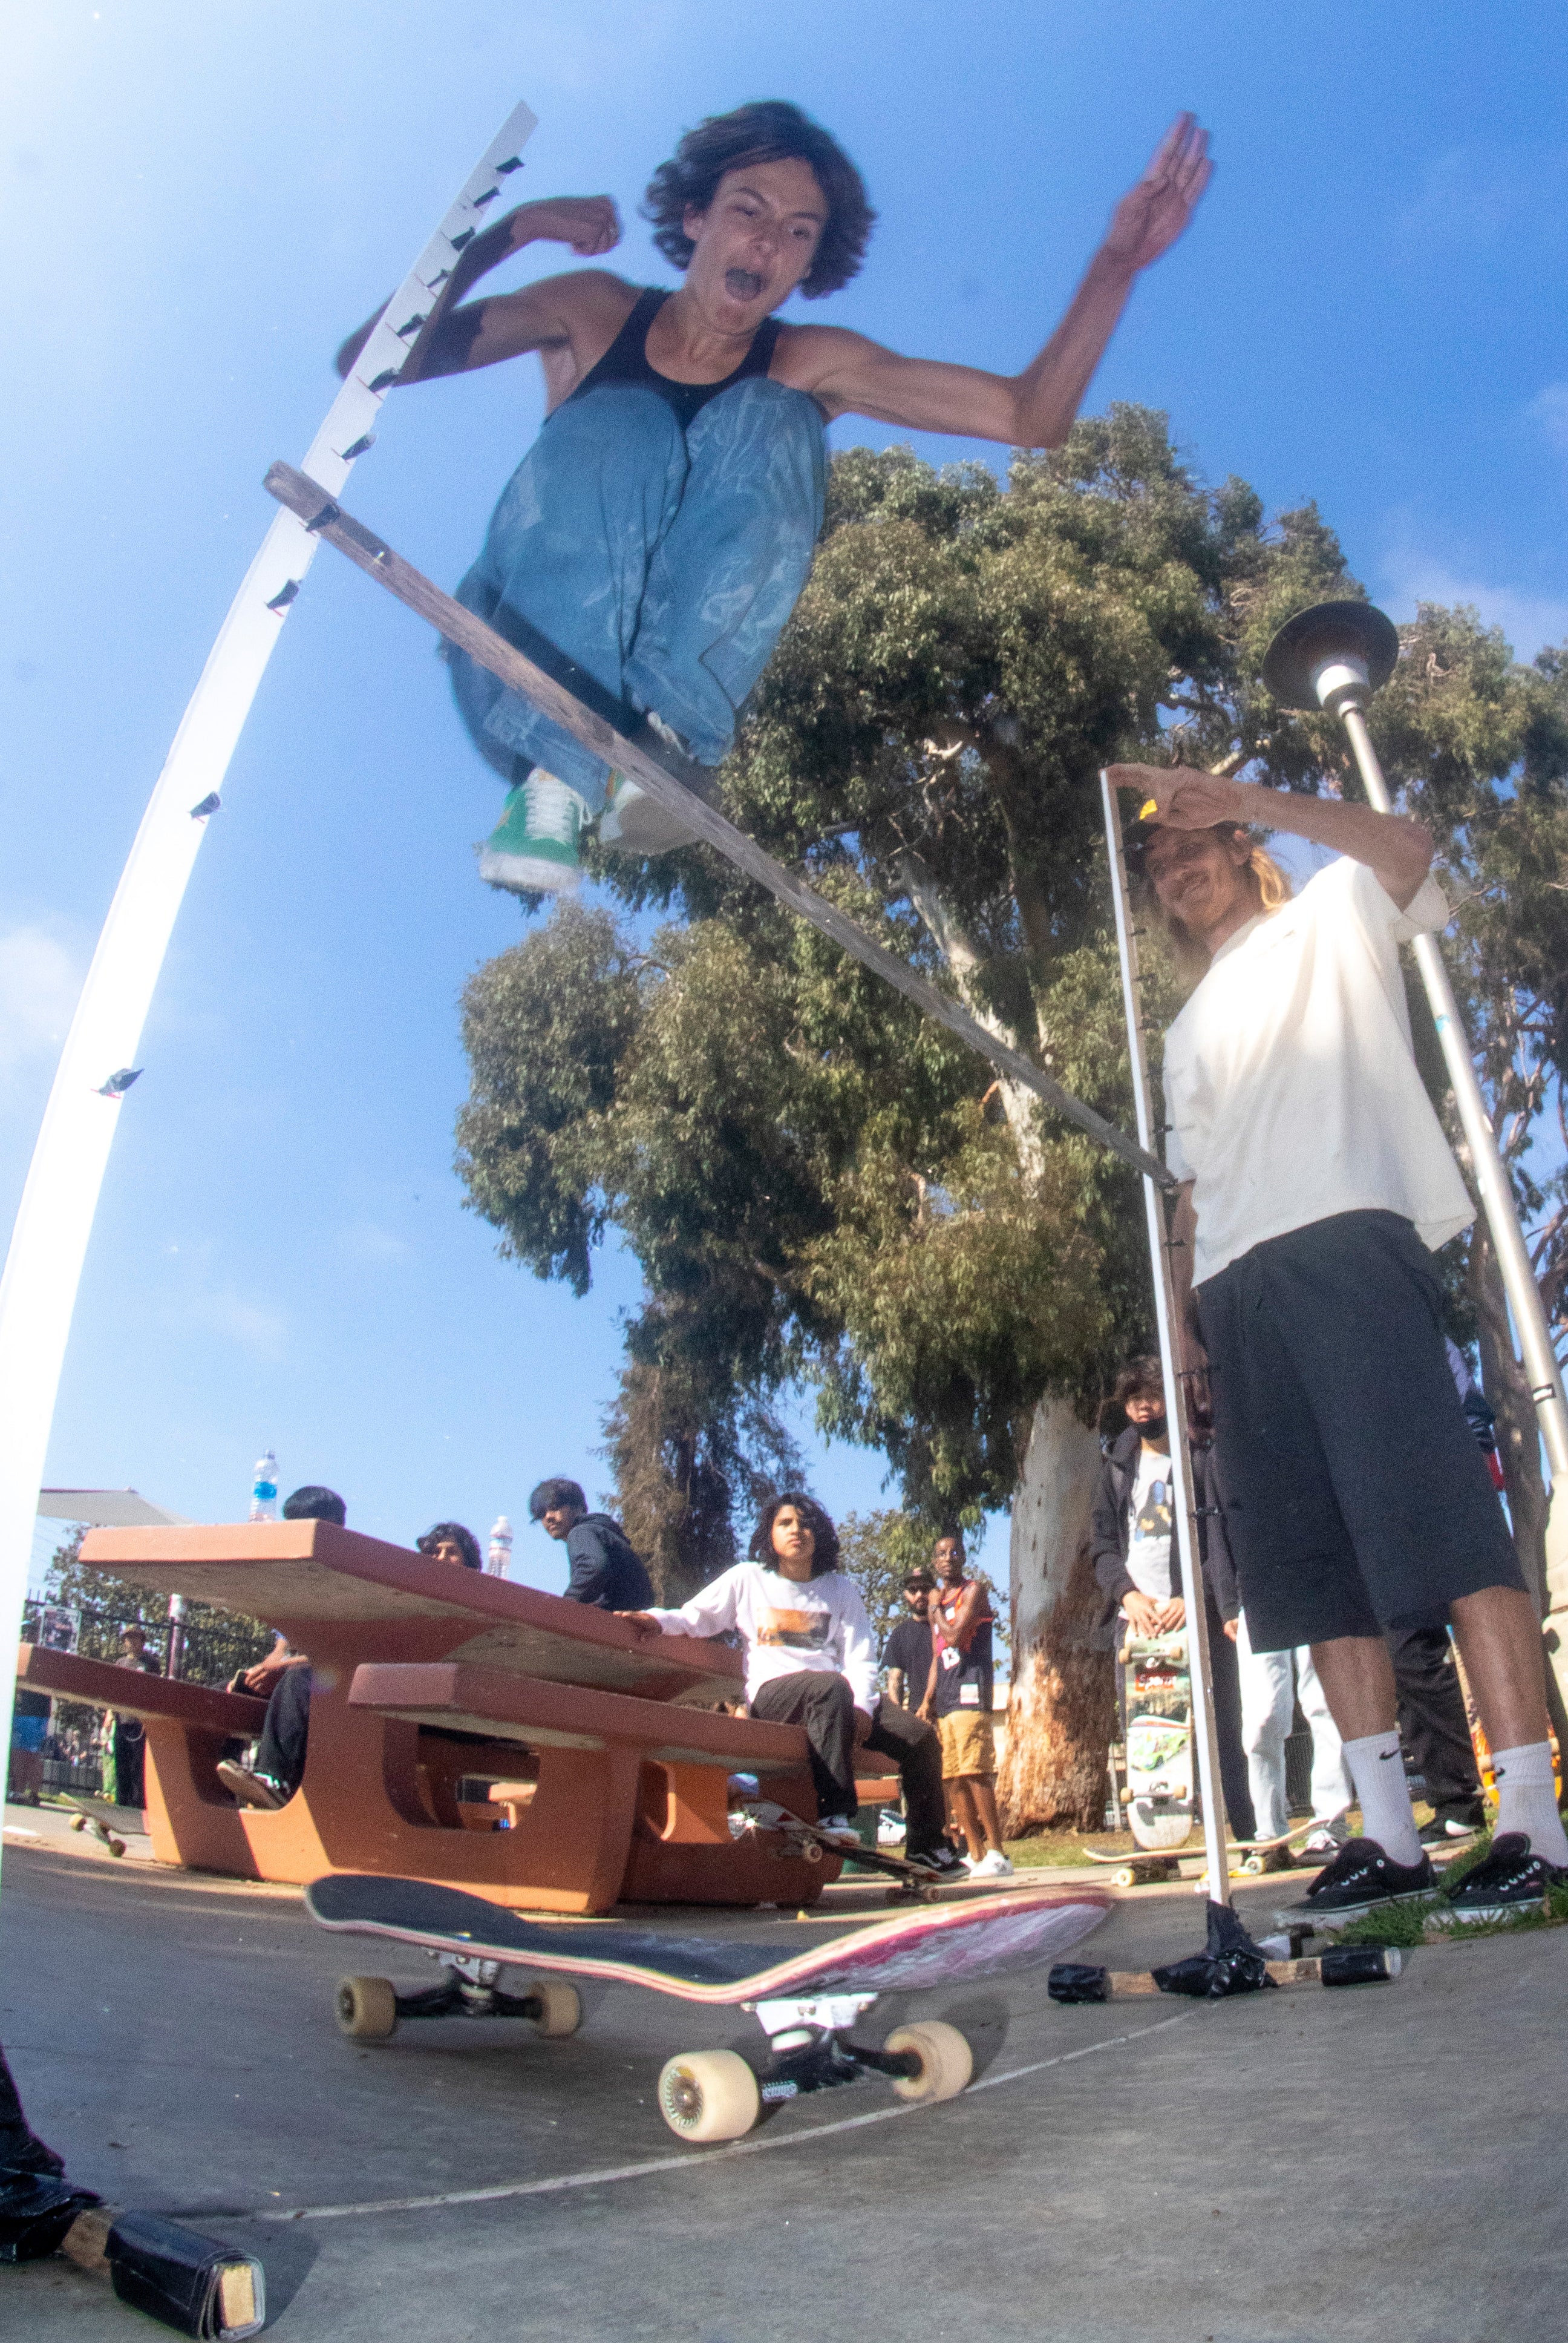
560, 2007
708, 2094
946, 2063
365, 2008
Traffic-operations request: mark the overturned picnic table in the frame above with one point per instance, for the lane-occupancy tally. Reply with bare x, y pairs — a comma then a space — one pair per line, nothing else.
426, 1677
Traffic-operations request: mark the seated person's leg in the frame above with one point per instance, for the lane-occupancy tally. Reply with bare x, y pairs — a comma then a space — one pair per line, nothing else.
280, 1754
823, 1705
898, 1734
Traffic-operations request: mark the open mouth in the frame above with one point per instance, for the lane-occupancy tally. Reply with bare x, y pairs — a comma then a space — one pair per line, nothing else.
742, 284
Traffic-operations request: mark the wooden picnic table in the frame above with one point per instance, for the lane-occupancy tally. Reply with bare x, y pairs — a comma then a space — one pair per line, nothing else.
607, 1814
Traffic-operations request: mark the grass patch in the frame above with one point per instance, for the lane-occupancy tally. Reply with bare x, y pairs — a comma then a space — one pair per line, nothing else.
1410, 1923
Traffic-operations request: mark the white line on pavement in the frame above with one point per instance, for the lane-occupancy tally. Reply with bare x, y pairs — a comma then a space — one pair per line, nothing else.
688, 2162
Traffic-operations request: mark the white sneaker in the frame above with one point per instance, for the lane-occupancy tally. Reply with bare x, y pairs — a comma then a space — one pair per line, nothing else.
837, 1827
994, 1866
636, 823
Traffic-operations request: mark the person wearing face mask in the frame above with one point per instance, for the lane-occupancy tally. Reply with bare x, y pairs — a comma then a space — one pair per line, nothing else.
811, 1661
652, 543
1136, 1562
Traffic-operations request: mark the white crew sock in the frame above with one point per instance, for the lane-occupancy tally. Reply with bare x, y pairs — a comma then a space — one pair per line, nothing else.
1377, 1769
1527, 1800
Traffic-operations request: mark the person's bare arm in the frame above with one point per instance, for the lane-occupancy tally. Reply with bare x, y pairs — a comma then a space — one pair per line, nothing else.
457, 337
850, 374
896, 1686
1191, 1359
1395, 849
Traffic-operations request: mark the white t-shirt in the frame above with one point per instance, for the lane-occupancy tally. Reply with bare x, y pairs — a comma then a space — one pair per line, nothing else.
1149, 1527
1291, 1085
788, 1625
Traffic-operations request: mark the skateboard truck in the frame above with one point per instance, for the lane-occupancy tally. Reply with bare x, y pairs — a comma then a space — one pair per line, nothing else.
370, 2008
807, 2051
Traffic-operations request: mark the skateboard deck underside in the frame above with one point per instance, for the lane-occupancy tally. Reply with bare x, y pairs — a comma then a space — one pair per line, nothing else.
1159, 1743
945, 1945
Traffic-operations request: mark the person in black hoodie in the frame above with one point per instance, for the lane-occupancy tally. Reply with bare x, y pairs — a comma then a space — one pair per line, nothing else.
1132, 1522
606, 1571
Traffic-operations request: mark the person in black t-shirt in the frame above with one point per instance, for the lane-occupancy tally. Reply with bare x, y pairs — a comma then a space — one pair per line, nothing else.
906, 1654
957, 1700
606, 1571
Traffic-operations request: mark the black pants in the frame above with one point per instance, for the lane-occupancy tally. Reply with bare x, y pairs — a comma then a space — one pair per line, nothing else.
825, 1707
130, 1761
280, 1753
1235, 1786
1432, 1723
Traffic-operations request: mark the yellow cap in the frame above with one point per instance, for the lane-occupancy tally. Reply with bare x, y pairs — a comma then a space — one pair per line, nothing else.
1149, 805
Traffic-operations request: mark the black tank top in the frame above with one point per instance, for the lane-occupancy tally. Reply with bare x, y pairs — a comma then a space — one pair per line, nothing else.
626, 361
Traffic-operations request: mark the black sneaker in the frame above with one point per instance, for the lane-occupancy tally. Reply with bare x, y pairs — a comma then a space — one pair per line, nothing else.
1360, 1877
1443, 1833
249, 1788
939, 1861
1510, 1877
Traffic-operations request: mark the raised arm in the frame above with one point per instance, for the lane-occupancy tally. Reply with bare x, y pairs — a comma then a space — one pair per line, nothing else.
456, 337
853, 375
1394, 847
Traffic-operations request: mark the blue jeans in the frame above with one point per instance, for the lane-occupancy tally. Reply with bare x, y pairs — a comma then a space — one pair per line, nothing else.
661, 563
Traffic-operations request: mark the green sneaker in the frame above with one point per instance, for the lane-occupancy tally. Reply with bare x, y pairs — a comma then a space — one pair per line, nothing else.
533, 849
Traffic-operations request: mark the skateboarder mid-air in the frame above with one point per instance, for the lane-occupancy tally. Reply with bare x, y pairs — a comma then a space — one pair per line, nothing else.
653, 541
811, 1661
1316, 1185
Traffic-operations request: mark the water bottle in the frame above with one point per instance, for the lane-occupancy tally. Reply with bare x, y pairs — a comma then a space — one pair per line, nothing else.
264, 1489
500, 1553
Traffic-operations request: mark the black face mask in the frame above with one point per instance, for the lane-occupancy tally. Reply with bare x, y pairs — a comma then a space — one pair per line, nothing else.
1153, 1426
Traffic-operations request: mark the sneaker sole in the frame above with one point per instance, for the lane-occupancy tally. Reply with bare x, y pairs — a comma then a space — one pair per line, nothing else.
645, 827
1465, 1914
1339, 1916
521, 873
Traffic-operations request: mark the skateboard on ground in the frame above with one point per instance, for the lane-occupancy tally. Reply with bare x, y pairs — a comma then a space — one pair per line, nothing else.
912, 1884
1159, 1741
105, 1822
806, 2004
1257, 1856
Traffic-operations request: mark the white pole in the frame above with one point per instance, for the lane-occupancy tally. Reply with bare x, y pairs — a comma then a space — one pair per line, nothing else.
1203, 1733
98, 1065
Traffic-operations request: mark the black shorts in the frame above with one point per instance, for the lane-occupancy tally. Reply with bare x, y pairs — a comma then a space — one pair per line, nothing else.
1355, 1496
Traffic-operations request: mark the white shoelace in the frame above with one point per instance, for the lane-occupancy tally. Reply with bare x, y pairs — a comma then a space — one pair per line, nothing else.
554, 810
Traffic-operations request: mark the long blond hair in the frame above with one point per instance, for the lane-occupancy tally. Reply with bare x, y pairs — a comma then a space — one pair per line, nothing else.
1273, 891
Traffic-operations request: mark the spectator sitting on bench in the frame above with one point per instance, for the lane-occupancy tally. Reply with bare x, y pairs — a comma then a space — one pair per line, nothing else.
283, 1678
606, 1571
810, 1661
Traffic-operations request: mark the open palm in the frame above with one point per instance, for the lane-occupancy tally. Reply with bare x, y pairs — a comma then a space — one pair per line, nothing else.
1151, 216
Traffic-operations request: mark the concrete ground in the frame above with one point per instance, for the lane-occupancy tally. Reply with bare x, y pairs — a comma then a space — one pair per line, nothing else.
1296, 2167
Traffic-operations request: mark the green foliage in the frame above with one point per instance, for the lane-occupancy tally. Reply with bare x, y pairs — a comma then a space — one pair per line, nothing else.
879, 1551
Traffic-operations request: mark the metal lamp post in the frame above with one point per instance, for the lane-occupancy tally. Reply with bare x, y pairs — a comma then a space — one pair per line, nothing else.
1335, 656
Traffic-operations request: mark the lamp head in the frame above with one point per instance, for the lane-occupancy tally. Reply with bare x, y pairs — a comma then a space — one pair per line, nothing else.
1333, 656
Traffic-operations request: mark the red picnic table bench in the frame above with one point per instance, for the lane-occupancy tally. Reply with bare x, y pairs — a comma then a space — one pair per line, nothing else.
426, 1677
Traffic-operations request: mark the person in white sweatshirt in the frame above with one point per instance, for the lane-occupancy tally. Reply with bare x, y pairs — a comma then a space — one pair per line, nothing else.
811, 1661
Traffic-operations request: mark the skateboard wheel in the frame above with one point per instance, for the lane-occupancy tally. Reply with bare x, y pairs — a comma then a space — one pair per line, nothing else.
560, 2010
946, 2063
1127, 1876
117, 1846
811, 1852
365, 2008
1254, 1867
79, 1821
708, 2094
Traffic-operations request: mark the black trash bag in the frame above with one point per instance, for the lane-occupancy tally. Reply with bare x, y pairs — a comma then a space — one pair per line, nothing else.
1078, 1981
188, 2281
36, 2208
1231, 1964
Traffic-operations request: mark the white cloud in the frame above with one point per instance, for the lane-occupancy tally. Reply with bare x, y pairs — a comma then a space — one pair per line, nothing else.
1549, 407
39, 981
250, 1326
1530, 621
366, 1241
1473, 195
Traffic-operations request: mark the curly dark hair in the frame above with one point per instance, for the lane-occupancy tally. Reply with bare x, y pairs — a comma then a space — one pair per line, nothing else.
464, 1539
770, 130
826, 1555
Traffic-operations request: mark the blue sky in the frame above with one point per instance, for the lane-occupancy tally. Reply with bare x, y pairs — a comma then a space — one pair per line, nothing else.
204, 194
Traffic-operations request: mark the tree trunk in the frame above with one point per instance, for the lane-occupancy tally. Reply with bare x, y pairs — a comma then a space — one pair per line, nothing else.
1507, 1386
1062, 1707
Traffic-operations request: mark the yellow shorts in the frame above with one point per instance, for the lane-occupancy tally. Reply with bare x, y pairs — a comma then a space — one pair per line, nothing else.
969, 1744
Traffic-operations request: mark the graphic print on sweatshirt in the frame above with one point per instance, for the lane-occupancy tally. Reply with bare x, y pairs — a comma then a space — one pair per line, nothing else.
795, 1631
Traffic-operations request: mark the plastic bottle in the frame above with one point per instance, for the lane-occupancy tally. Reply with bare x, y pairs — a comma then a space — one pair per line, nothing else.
501, 1554
264, 1489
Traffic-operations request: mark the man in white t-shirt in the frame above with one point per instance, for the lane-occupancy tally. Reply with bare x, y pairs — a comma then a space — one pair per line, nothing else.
811, 1661
1315, 1185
